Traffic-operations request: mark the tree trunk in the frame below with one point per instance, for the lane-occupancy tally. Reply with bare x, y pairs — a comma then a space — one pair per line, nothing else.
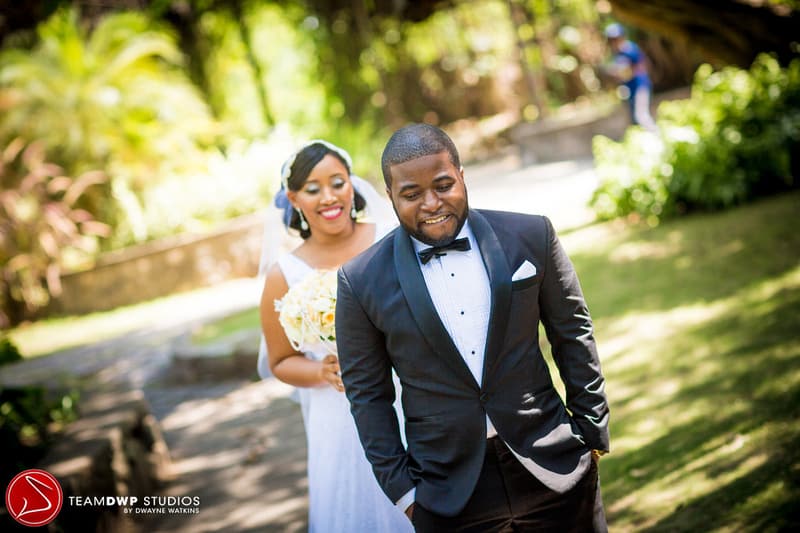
184, 17
726, 31
672, 63
258, 72
535, 84
13, 311
340, 60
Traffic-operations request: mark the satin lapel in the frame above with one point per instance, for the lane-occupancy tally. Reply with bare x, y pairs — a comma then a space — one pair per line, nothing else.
494, 258
419, 301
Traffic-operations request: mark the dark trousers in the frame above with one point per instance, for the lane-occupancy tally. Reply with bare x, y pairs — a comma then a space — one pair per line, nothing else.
508, 498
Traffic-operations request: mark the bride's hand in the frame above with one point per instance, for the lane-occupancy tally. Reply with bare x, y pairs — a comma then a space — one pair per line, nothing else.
330, 372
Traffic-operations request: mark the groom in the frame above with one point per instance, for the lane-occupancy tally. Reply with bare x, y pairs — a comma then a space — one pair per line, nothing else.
452, 301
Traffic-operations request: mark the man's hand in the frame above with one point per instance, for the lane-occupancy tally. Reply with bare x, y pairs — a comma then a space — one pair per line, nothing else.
330, 372
597, 454
410, 511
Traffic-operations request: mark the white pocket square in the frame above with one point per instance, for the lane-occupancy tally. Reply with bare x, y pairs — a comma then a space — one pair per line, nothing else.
526, 270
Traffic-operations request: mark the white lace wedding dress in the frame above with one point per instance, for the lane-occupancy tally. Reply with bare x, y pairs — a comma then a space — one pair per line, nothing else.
344, 496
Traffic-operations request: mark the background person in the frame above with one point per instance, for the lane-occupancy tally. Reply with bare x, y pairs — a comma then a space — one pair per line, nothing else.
629, 67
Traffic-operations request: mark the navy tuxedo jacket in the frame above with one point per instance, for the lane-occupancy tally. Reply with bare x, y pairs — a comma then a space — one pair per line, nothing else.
385, 319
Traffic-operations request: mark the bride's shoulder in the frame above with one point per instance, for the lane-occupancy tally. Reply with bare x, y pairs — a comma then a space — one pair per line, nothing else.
295, 265
276, 269
275, 283
288, 264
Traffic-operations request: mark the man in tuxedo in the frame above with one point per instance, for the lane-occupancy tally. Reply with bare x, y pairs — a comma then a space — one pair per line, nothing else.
452, 301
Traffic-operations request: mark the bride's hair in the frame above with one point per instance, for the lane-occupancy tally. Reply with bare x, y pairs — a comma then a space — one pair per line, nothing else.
304, 162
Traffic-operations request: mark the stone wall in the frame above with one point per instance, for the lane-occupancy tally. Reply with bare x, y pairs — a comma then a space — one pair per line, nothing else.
114, 450
562, 138
163, 267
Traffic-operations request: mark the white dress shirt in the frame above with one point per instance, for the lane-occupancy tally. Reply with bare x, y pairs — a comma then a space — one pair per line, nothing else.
459, 288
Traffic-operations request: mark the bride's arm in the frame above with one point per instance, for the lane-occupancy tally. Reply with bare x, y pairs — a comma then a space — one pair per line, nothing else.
286, 363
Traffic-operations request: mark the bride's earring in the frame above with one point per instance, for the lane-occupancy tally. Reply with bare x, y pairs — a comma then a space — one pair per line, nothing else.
303, 223
353, 208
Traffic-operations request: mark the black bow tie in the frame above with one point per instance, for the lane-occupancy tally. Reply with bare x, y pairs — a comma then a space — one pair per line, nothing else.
459, 245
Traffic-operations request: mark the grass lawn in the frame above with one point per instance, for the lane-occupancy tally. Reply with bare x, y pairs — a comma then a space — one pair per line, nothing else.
698, 327
214, 331
51, 335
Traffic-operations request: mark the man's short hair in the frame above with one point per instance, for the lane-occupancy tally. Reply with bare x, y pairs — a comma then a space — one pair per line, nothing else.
415, 141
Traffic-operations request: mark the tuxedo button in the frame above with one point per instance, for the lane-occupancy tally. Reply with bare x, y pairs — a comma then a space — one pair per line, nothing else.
484, 397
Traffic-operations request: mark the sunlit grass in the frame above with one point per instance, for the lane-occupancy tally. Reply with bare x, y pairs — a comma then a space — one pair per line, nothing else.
50, 335
698, 323
219, 329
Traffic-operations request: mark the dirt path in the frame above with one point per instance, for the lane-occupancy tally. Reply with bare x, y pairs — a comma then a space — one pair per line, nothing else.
240, 447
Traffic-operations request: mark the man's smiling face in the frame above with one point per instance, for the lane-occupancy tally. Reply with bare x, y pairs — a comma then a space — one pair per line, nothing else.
430, 198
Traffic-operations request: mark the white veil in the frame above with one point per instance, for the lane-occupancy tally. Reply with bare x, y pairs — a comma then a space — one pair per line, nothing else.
278, 239
379, 210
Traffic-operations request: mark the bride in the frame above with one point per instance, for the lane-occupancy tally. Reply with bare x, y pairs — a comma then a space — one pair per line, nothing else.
322, 201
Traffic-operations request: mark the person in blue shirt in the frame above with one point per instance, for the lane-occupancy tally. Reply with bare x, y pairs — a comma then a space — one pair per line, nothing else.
629, 67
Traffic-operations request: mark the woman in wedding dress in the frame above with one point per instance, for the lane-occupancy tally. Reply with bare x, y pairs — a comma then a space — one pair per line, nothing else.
322, 201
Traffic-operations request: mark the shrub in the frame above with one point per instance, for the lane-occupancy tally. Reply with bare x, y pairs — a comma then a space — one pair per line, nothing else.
41, 226
9, 353
29, 419
110, 96
730, 142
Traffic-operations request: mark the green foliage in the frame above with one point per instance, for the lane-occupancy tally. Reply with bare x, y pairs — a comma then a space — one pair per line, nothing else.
293, 46
241, 180
9, 353
29, 419
364, 142
630, 176
285, 52
41, 227
115, 95
730, 142
113, 98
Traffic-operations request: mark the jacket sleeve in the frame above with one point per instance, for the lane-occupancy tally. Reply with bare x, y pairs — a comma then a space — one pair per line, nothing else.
569, 329
366, 373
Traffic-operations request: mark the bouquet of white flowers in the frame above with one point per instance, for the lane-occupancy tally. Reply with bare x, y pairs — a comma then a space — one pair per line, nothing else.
307, 311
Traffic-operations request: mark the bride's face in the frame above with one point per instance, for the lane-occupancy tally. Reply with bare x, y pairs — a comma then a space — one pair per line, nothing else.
326, 197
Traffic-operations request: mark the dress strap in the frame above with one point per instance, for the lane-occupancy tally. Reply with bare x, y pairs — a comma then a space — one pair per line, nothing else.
294, 269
